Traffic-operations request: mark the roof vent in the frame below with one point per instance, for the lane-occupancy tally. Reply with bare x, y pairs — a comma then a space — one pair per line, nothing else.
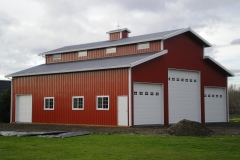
118, 34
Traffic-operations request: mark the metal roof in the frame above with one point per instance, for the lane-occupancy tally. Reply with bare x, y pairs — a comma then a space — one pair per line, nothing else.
92, 64
219, 65
125, 41
119, 30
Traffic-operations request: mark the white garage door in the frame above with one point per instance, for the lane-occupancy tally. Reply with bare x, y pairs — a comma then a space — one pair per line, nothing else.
148, 104
184, 95
24, 108
215, 105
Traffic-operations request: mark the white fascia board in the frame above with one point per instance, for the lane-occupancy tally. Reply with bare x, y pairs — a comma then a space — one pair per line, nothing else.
186, 30
67, 71
148, 58
214, 61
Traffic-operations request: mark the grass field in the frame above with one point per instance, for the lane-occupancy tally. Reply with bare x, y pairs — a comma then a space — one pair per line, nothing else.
120, 146
234, 118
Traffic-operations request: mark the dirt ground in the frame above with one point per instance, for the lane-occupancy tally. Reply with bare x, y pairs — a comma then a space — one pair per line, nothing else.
218, 128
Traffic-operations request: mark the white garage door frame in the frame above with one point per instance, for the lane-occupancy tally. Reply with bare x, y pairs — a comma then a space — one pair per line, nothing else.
225, 100
161, 102
29, 119
198, 96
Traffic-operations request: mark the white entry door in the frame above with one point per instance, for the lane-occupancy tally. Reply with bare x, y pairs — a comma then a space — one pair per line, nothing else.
215, 104
24, 108
184, 95
122, 110
148, 104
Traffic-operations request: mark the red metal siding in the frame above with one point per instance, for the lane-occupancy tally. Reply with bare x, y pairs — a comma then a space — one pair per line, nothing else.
124, 34
184, 52
100, 53
114, 36
63, 86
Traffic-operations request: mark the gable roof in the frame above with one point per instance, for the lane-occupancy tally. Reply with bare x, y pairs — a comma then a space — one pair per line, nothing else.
125, 41
229, 73
126, 61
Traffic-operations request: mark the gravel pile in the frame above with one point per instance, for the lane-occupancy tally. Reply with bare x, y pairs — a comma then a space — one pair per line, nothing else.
189, 128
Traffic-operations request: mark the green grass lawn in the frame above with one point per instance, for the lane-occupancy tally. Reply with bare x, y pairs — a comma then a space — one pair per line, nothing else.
235, 118
120, 146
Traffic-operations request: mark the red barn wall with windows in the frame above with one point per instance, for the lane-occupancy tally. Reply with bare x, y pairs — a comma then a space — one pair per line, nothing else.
184, 52
63, 86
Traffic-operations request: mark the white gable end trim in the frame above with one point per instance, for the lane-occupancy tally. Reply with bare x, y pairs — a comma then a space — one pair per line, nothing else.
149, 58
186, 30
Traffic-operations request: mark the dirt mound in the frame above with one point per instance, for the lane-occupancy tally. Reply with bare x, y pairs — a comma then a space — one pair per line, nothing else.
189, 128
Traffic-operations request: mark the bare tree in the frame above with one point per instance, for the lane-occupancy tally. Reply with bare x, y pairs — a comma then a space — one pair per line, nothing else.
234, 99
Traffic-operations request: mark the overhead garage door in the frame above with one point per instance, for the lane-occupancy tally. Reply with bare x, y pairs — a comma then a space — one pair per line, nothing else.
215, 104
184, 95
148, 104
24, 108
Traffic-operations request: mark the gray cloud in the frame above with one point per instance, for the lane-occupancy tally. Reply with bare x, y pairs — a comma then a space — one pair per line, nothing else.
31, 27
235, 42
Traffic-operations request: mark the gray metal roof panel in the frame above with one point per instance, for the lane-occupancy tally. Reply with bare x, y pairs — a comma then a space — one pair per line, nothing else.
85, 65
102, 44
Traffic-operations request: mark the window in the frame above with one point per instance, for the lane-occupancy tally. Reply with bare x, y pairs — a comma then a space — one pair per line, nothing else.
151, 93
190, 80
146, 93
111, 50
186, 80
48, 103
140, 93
182, 79
169, 79
135, 93
173, 79
78, 103
57, 56
157, 93
102, 102
195, 80
177, 79
82, 53
143, 45
216, 96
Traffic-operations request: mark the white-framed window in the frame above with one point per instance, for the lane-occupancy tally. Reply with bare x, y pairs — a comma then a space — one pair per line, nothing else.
82, 53
143, 45
102, 102
48, 103
57, 56
111, 50
77, 103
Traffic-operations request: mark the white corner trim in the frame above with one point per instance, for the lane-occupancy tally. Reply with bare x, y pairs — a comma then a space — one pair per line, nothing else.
162, 44
214, 61
148, 58
130, 97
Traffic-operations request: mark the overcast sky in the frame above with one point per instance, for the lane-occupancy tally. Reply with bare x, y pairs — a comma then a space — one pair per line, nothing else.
30, 27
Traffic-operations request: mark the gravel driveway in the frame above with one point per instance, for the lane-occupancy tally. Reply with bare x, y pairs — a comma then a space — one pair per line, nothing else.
218, 128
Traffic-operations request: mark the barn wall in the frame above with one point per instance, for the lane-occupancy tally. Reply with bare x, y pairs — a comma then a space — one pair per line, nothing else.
184, 52
100, 53
63, 86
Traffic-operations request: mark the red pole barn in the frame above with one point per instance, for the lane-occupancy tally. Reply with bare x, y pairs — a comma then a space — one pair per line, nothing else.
152, 79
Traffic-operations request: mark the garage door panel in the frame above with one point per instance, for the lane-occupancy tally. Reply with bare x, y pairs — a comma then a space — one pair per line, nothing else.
24, 108
215, 104
148, 107
184, 95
